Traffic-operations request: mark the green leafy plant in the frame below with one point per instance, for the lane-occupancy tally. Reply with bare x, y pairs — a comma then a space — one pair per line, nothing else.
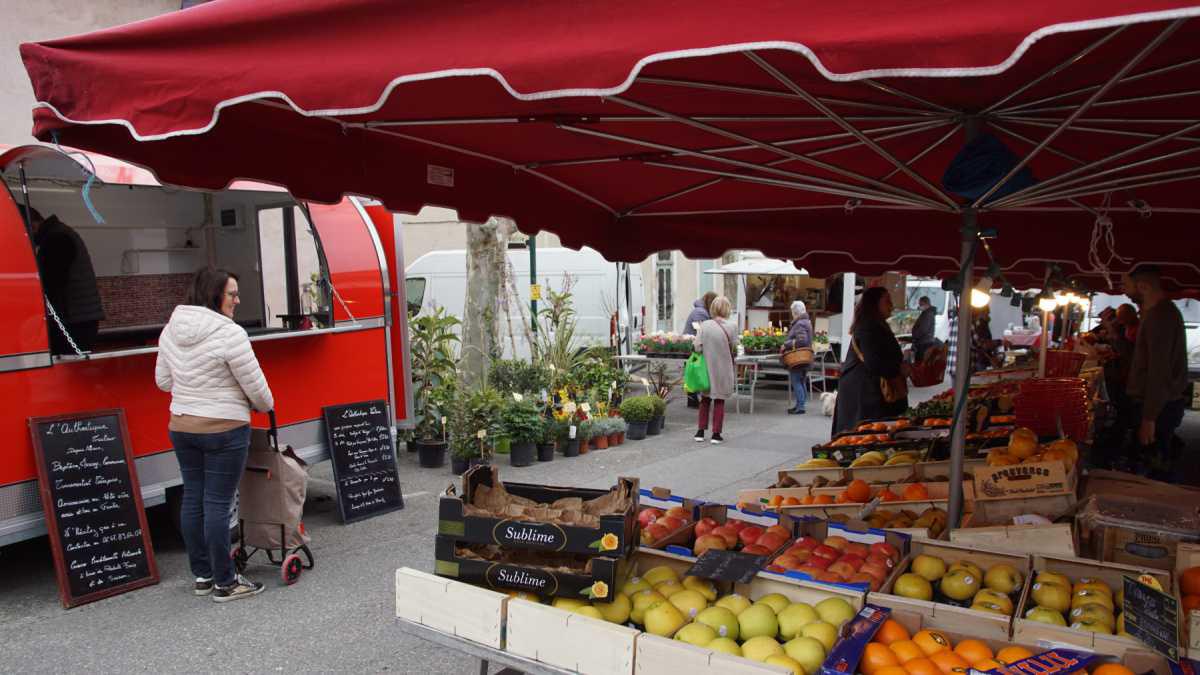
522, 377
585, 429
521, 421
472, 413
433, 350
660, 406
637, 409
552, 430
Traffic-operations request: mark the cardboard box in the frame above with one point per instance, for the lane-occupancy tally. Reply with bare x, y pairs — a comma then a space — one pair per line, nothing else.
1054, 539
1036, 479
1033, 632
1142, 526
454, 608
939, 494
604, 578
535, 535
943, 614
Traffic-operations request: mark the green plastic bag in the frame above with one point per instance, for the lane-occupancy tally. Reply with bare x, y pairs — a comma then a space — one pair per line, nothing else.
695, 374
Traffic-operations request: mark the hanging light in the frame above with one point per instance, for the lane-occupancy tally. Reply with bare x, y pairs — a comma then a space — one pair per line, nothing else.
1061, 299
981, 293
1047, 303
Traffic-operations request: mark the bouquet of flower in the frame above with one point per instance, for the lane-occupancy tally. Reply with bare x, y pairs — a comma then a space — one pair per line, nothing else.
768, 339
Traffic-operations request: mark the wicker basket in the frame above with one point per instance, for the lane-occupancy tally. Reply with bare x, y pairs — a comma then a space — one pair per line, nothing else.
1062, 363
797, 358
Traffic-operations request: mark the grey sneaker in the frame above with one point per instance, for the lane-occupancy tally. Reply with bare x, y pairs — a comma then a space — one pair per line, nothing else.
241, 588
203, 586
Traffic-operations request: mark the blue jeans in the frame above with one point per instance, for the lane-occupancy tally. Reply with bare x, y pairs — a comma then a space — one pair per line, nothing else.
799, 381
212, 466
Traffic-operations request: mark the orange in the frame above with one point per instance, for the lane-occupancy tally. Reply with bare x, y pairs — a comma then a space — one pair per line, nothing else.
986, 665
973, 651
906, 650
1191, 602
823, 499
775, 501
1112, 669
891, 631
891, 670
1013, 654
808, 499
843, 497
858, 491
791, 501
922, 666
886, 495
950, 663
915, 492
876, 656
932, 641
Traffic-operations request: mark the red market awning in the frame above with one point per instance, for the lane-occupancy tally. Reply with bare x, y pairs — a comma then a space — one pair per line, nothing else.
813, 131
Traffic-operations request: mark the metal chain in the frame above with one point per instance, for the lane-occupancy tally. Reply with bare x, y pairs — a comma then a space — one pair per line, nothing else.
61, 327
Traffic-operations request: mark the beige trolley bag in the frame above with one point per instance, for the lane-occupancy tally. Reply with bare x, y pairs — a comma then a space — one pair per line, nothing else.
271, 506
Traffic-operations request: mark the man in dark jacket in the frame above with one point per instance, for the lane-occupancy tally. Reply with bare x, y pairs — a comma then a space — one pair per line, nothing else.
69, 282
923, 331
698, 316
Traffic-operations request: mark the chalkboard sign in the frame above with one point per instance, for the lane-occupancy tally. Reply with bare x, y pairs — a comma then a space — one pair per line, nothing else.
1152, 617
364, 459
93, 505
727, 566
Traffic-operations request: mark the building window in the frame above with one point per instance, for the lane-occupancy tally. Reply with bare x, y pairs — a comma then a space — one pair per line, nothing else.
706, 280
664, 277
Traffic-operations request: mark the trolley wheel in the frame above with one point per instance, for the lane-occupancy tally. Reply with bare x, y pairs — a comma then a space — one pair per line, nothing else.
291, 569
240, 558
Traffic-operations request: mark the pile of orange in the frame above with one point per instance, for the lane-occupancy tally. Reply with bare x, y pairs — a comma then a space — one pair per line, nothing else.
930, 652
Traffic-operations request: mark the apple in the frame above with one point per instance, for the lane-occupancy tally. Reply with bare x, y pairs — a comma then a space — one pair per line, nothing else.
689, 602
795, 617
835, 611
756, 621
635, 585
801, 554
1088, 583
808, 652
749, 535
702, 586
725, 646
1051, 594
825, 633
1093, 626
707, 542
775, 568
1000, 600
670, 522
720, 619
1046, 615
761, 647
1089, 596
863, 578
811, 571
789, 562
1003, 578
882, 560
780, 530
887, 550
843, 569
696, 634
836, 542
728, 534
930, 567
772, 542
807, 543
829, 577
737, 525
819, 562
647, 537
1053, 577
705, 526
853, 561
989, 607
788, 663
669, 588
829, 552
680, 513
776, 601
589, 611
654, 532
734, 602
656, 575
616, 611
757, 549
568, 604
647, 516
960, 584
969, 566
664, 619
913, 586
643, 601
1094, 613
857, 549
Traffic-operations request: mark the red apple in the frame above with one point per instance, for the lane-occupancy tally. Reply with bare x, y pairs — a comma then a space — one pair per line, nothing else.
789, 562
647, 516
780, 530
807, 542
654, 532
857, 548
877, 571
843, 569
801, 554
881, 559
862, 578
728, 534
705, 526
886, 549
737, 525
829, 552
836, 542
708, 541
771, 541
819, 562
829, 577
852, 560
647, 537
809, 570
756, 549
681, 513
670, 522
775, 568
749, 535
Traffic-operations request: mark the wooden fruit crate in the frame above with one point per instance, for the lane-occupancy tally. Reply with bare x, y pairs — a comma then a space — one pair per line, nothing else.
452, 607
567, 640
1056, 539
879, 474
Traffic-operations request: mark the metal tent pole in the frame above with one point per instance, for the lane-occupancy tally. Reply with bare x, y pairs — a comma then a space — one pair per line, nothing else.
533, 301
962, 370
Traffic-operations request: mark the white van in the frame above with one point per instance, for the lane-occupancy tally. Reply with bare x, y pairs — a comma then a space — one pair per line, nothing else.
1003, 312
1188, 307
598, 290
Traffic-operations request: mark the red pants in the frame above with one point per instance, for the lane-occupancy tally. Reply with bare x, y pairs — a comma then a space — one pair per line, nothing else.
718, 414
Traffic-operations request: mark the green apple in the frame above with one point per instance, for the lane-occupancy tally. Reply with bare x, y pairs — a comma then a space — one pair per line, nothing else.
1053, 577
696, 634
1003, 578
777, 601
657, 575
835, 611
664, 619
725, 645
702, 586
994, 597
616, 611
669, 587
1093, 626
690, 603
589, 611
1051, 594
634, 586
568, 604
913, 586
809, 652
643, 601
757, 621
928, 566
720, 619
960, 584
787, 662
825, 633
794, 617
968, 566
1046, 615
758, 648
735, 603
1095, 613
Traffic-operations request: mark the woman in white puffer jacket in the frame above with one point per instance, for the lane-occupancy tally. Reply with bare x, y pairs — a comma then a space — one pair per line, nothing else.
207, 364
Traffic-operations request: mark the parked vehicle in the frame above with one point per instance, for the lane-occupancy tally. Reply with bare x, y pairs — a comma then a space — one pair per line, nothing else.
1003, 314
314, 282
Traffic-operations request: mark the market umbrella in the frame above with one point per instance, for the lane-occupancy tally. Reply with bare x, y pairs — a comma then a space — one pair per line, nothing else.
821, 132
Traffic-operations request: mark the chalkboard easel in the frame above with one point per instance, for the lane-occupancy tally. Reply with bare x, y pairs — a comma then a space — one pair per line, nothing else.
92, 502
363, 453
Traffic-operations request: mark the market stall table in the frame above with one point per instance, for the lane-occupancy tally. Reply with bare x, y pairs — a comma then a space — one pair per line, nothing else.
483, 654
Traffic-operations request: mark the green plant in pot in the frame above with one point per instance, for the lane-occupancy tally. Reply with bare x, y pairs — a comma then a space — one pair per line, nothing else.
552, 428
599, 440
522, 423
637, 411
433, 351
659, 418
584, 432
619, 427
474, 420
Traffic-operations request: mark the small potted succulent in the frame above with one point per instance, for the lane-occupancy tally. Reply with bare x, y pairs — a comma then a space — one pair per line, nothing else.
637, 411
522, 425
616, 431
659, 419
599, 433
584, 430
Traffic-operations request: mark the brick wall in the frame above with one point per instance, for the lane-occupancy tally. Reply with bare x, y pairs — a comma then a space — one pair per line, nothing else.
143, 299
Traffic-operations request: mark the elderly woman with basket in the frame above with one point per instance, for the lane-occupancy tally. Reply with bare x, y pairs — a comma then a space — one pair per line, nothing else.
797, 355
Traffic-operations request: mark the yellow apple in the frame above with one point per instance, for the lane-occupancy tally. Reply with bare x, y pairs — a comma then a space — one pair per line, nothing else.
794, 617
657, 575
787, 662
913, 586
758, 648
809, 652
589, 611
995, 598
721, 620
969, 566
825, 633
1051, 594
616, 611
1003, 578
725, 645
696, 634
757, 621
635, 585
928, 566
734, 603
568, 603
960, 584
777, 601
641, 602
1054, 577
1095, 613
1093, 626
669, 587
1046, 615
664, 619
835, 611
702, 586
1091, 596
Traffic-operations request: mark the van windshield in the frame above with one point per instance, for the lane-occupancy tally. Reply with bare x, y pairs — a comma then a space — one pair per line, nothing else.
935, 294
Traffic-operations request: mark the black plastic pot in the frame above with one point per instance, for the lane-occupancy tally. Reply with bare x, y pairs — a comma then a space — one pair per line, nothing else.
655, 425
431, 455
636, 431
458, 465
571, 449
522, 454
411, 446
545, 452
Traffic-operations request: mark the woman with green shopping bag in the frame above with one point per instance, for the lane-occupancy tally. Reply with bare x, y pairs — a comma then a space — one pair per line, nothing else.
714, 342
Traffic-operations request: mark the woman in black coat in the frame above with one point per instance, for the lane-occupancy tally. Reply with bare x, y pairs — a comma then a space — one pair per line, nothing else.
860, 396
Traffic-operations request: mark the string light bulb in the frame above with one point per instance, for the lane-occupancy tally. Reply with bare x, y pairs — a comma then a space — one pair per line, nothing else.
1047, 303
981, 294
1061, 299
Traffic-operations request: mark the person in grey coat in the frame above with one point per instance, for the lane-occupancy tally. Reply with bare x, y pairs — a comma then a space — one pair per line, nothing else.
715, 341
799, 335
698, 316
923, 331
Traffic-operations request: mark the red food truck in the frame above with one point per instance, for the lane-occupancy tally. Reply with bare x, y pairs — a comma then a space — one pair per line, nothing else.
317, 300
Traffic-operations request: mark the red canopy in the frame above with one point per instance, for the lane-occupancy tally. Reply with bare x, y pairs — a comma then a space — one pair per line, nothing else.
815, 131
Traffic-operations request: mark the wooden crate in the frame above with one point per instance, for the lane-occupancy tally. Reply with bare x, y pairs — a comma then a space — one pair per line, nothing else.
1034, 479
566, 640
1033, 632
657, 655
452, 607
1003, 510
983, 624
1053, 539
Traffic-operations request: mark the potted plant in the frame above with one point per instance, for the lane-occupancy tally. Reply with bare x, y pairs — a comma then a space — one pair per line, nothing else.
522, 425
637, 411
474, 421
659, 418
583, 429
431, 435
434, 372
616, 431
549, 440
568, 437
599, 440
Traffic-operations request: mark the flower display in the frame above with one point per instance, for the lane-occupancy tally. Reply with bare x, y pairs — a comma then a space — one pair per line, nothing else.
769, 339
666, 343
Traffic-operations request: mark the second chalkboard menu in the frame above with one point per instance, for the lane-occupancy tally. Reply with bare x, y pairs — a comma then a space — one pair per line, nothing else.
93, 505
364, 459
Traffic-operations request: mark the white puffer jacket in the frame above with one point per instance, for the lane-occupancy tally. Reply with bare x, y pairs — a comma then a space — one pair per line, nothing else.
207, 364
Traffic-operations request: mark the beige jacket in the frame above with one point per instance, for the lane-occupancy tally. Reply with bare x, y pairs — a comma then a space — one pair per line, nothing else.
716, 340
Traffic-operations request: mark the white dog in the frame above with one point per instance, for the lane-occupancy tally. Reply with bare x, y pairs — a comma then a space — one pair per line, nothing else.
828, 403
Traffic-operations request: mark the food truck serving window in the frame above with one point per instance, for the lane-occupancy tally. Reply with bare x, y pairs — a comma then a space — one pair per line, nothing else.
148, 242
